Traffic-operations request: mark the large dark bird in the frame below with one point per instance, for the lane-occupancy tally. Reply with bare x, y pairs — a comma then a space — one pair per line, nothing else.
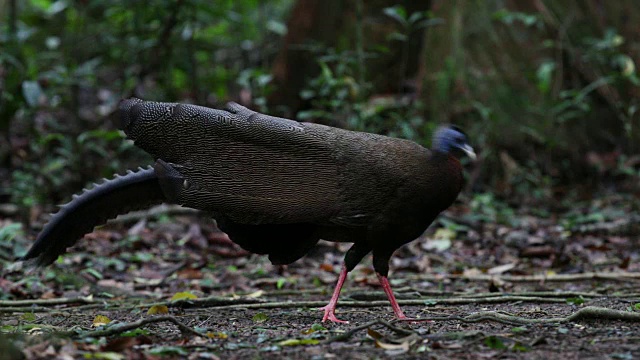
274, 185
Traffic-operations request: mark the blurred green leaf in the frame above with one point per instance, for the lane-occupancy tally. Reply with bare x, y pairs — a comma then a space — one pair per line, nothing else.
260, 318
298, 342
168, 351
519, 329
494, 342
277, 27
576, 300
545, 76
30, 317
184, 295
32, 92
397, 13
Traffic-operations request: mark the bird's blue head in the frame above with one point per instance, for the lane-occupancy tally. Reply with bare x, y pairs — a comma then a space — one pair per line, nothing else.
452, 140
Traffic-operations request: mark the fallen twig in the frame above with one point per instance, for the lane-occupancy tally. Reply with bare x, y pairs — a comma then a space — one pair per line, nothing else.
406, 302
49, 302
42, 309
613, 276
212, 301
586, 313
123, 327
375, 295
346, 335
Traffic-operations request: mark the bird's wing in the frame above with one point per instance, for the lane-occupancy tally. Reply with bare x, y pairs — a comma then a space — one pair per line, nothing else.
251, 167
259, 169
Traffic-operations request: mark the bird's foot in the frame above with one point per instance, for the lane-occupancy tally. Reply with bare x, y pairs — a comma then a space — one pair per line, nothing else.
400, 316
329, 314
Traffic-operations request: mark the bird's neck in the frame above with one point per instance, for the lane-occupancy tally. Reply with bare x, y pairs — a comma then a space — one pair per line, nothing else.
446, 157
450, 163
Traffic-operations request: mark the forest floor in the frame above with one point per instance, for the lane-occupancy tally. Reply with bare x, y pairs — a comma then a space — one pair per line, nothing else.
486, 281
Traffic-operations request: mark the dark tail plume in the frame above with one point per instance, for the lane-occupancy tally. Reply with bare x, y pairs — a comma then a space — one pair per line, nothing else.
133, 191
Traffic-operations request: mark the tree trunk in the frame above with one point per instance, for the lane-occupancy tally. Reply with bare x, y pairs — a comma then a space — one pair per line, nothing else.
325, 24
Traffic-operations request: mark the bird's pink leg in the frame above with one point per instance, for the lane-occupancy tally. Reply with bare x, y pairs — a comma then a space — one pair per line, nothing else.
392, 299
329, 310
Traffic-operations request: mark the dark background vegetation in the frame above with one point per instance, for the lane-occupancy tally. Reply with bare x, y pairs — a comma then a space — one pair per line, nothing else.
547, 91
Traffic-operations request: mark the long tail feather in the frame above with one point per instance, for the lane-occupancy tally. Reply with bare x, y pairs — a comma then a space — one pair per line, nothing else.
133, 191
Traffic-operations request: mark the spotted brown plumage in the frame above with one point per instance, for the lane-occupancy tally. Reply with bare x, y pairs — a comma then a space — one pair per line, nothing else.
276, 186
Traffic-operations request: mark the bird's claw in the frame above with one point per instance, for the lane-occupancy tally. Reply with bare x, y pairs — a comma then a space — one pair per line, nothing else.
329, 314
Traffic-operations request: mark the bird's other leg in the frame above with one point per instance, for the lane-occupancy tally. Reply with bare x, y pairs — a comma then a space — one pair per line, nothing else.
384, 282
381, 265
351, 259
329, 310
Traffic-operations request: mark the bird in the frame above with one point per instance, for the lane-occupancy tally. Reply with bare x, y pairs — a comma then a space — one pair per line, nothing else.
275, 186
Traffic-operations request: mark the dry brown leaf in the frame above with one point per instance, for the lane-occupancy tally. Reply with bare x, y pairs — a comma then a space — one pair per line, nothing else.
500, 269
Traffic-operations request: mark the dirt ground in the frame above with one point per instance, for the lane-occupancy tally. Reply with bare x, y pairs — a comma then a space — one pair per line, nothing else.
166, 286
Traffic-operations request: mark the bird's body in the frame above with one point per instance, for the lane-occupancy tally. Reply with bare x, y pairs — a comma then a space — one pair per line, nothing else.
277, 186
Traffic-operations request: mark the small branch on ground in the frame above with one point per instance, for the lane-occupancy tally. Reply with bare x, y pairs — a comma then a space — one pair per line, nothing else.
612, 276
345, 336
124, 327
586, 313
229, 303
41, 309
379, 295
49, 302
212, 301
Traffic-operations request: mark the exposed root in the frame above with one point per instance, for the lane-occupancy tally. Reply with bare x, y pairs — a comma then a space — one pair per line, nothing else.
586, 313
49, 302
346, 335
124, 327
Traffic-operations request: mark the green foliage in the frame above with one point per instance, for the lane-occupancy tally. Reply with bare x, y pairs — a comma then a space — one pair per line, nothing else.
543, 88
409, 22
337, 99
513, 17
536, 91
500, 343
55, 160
168, 351
485, 207
11, 236
494, 342
259, 318
258, 81
10, 232
65, 65
135, 332
340, 97
576, 300
334, 91
519, 329
594, 213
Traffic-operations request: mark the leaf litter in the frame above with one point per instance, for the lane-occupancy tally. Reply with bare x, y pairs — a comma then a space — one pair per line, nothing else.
213, 300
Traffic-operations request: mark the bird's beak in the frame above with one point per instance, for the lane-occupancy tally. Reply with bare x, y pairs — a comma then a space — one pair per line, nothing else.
469, 151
